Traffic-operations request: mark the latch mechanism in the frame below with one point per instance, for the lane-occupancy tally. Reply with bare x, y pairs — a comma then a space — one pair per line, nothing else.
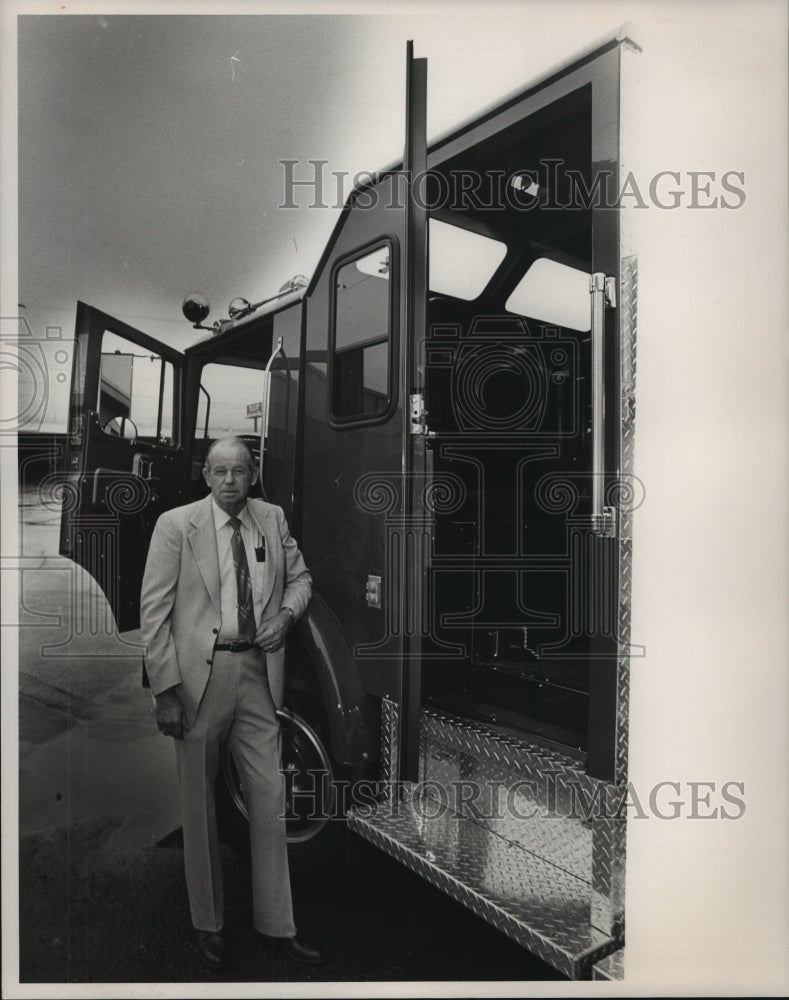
610, 292
604, 523
599, 282
373, 591
142, 466
419, 416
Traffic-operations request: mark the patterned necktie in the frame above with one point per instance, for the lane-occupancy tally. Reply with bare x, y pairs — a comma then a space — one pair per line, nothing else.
246, 608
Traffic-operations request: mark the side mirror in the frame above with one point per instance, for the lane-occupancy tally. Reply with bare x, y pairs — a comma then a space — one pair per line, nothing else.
123, 427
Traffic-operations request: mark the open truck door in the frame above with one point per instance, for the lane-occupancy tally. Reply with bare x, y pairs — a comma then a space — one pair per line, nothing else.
414, 549
363, 470
125, 458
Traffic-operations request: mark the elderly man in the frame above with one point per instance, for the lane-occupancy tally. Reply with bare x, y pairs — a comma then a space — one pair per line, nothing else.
223, 583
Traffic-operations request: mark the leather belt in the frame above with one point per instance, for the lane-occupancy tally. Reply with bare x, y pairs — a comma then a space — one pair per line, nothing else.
236, 646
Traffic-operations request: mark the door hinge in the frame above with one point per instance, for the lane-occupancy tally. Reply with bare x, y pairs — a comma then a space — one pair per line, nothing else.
419, 415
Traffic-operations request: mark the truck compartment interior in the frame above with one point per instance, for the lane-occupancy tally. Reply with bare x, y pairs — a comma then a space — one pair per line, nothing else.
507, 390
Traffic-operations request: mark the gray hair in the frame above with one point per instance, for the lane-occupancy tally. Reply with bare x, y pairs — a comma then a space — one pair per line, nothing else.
230, 440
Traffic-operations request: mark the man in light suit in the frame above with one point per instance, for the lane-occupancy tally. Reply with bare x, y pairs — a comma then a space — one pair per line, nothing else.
224, 581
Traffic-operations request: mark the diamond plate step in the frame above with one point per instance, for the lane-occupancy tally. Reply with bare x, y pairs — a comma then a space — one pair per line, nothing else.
611, 968
541, 906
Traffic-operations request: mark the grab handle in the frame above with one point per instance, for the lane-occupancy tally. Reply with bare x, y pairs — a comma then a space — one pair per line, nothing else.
603, 294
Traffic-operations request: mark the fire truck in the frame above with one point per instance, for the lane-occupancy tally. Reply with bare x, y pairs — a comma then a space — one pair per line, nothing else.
445, 412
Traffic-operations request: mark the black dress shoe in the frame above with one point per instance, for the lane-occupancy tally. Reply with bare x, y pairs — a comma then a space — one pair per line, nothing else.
212, 949
295, 950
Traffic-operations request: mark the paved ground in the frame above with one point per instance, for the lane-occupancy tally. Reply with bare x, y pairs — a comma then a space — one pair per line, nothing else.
102, 897
90, 914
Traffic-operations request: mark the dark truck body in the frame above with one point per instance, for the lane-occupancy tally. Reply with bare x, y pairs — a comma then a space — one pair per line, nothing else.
445, 413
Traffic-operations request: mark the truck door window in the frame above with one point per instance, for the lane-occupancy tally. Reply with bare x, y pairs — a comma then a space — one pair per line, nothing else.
553, 293
136, 398
461, 262
203, 412
360, 357
166, 406
235, 393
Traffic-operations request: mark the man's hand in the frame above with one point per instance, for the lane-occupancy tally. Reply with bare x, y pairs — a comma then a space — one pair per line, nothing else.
272, 632
169, 714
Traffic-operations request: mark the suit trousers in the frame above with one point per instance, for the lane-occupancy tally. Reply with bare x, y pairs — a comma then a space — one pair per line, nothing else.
237, 706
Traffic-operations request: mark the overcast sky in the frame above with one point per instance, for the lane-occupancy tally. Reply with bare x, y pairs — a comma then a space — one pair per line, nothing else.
150, 146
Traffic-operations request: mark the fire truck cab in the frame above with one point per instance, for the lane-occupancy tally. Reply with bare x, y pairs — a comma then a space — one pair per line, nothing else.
445, 414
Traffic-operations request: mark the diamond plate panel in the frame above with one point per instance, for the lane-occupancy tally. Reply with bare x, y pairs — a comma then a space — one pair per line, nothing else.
629, 153
540, 906
608, 876
518, 806
628, 305
390, 736
558, 781
536, 799
612, 967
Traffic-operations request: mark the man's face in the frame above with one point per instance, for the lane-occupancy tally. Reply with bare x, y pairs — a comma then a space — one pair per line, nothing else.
229, 476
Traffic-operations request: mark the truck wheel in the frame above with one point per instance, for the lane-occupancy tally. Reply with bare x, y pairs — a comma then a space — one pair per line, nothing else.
309, 785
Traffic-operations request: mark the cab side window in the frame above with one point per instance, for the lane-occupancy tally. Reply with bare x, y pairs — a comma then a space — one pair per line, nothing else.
361, 341
229, 405
136, 396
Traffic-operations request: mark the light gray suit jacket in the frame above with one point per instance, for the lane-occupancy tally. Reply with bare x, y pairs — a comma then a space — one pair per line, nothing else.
180, 606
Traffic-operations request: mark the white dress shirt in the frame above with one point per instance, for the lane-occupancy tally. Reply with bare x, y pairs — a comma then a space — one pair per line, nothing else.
250, 535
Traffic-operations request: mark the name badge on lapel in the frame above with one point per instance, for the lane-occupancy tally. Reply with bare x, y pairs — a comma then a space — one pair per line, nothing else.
260, 549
